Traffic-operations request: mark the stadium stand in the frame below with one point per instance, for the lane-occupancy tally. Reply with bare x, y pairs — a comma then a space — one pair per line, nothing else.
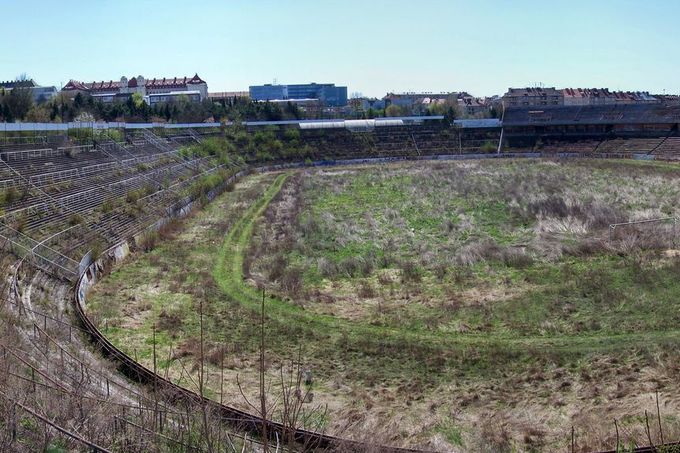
670, 148
630, 145
388, 141
580, 146
63, 197
59, 203
593, 115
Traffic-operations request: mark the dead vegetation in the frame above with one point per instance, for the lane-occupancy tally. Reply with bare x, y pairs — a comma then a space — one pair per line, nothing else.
515, 219
58, 393
476, 269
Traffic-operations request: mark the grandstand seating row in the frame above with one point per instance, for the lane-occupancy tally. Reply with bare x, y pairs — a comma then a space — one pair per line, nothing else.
632, 145
63, 201
670, 148
399, 140
663, 147
593, 114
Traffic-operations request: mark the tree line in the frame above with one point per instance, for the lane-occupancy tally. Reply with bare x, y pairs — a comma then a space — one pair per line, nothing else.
18, 105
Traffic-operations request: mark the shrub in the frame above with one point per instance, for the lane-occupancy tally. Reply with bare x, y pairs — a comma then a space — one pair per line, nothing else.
449, 225
11, 195
488, 147
440, 271
478, 251
97, 248
585, 247
132, 196
75, 219
349, 266
169, 321
277, 267
291, 280
356, 266
169, 229
291, 134
147, 241
553, 206
517, 258
366, 290
385, 279
207, 183
601, 215
21, 223
108, 205
327, 268
410, 272
309, 226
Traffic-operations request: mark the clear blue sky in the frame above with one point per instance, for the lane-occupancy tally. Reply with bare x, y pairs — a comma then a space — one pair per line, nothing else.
481, 46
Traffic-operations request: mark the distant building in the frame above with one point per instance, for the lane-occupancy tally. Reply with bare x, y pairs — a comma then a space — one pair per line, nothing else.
10, 85
326, 93
414, 101
194, 88
43, 94
540, 97
419, 103
668, 99
268, 92
602, 96
365, 104
159, 98
473, 106
40, 94
533, 97
221, 95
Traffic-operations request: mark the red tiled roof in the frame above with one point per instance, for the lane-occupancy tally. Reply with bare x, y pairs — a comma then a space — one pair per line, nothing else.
196, 80
75, 85
164, 83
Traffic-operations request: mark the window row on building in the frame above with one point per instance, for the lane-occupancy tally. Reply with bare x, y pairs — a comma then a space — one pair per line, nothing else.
153, 90
326, 93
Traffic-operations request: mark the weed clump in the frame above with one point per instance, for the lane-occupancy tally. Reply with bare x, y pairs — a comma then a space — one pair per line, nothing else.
291, 280
366, 290
169, 321
327, 268
75, 219
517, 258
10, 195
147, 241
410, 272
356, 266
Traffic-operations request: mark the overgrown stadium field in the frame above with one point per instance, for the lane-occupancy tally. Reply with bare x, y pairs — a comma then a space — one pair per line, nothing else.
472, 305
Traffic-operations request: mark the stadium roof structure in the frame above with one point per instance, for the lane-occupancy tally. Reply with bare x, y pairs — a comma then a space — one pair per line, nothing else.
340, 123
478, 123
592, 114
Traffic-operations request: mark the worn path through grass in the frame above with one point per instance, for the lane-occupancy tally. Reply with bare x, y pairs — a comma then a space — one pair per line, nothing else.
228, 273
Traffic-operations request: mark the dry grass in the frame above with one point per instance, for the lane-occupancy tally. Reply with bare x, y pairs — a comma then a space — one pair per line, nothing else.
515, 249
